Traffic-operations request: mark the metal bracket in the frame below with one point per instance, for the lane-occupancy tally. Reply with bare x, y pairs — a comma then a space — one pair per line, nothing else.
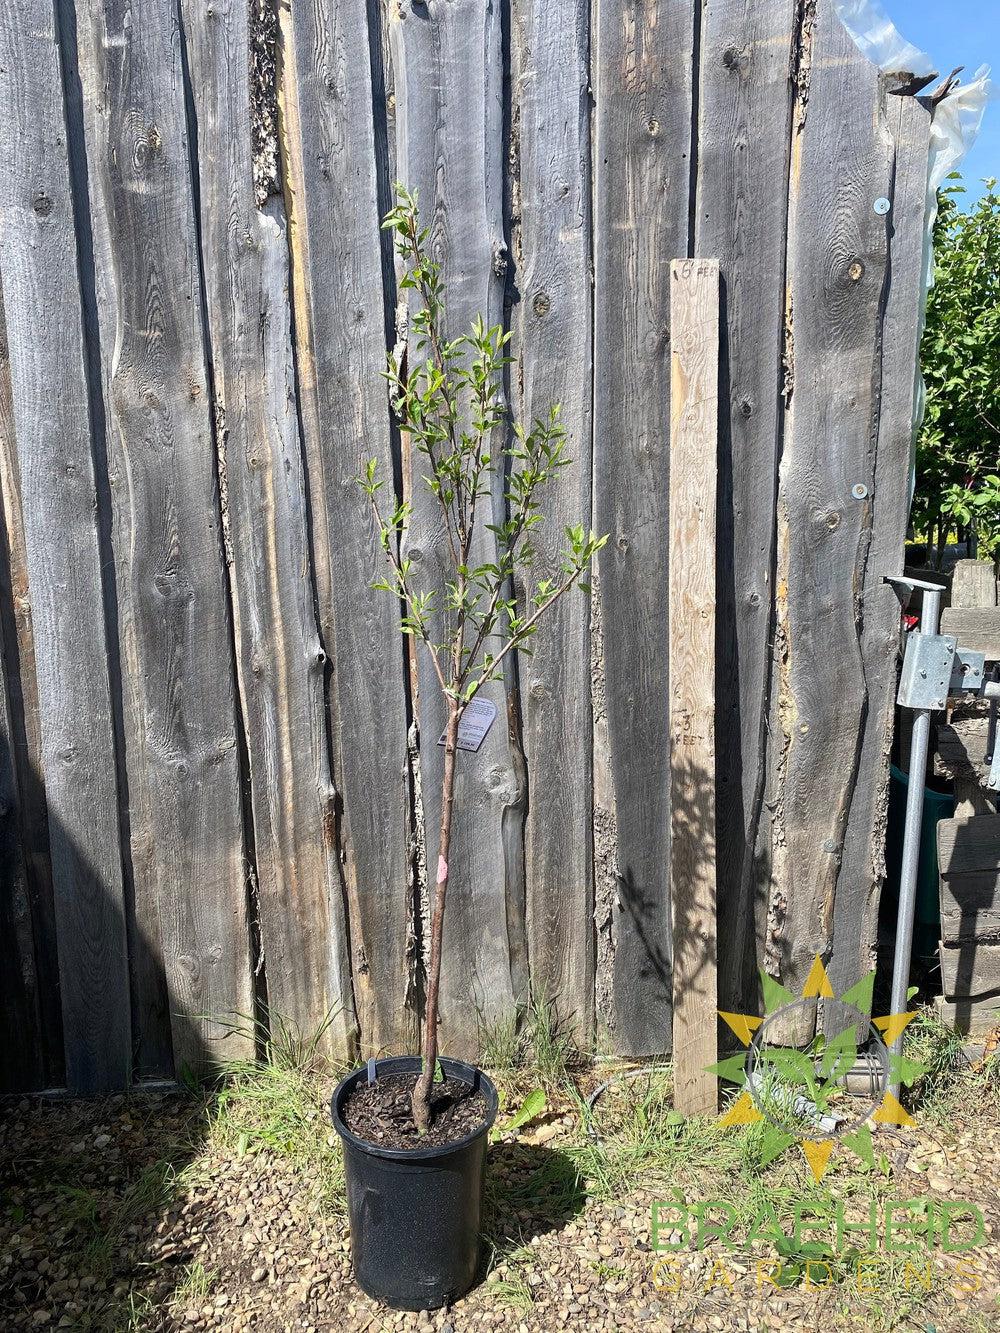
968, 671
991, 691
898, 581
927, 671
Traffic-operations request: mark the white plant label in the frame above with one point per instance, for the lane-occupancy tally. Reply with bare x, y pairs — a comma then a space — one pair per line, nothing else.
476, 721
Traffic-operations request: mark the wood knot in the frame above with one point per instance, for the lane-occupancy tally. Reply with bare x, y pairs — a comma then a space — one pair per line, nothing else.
856, 270
42, 205
541, 304
146, 149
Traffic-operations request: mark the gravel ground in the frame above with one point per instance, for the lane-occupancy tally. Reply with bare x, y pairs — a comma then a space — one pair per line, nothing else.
168, 1213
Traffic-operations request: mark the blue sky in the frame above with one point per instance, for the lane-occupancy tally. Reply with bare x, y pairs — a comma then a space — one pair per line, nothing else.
959, 32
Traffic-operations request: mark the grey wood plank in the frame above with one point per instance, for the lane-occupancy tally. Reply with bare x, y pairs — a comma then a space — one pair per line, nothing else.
976, 629
22, 1037
974, 583
962, 747
448, 78
961, 756
186, 820
970, 969
280, 657
52, 425
694, 434
643, 144
903, 126
967, 1017
552, 344
970, 906
968, 844
840, 521
744, 121
331, 198
28, 855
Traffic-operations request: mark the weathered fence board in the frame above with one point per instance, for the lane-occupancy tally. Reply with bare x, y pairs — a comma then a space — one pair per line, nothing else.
52, 426
643, 167
220, 755
969, 845
340, 354
744, 106
21, 1022
837, 275
977, 629
970, 969
185, 813
552, 346
280, 660
974, 583
905, 123
448, 70
30, 1019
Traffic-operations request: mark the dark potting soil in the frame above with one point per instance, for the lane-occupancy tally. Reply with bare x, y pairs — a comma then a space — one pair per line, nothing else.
380, 1112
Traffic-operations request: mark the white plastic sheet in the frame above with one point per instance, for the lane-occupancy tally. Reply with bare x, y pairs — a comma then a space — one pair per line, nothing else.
956, 123
876, 36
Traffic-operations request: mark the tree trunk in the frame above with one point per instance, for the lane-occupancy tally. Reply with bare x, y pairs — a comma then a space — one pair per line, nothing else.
422, 1091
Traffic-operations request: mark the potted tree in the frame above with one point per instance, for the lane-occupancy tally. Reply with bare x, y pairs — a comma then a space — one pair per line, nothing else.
415, 1127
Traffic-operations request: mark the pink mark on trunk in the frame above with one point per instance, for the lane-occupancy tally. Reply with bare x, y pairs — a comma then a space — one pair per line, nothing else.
442, 870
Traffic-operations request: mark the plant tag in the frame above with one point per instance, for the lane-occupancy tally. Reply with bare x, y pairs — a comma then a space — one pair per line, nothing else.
371, 1070
476, 721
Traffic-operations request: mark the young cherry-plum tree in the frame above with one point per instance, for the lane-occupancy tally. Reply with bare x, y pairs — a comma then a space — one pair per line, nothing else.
447, 394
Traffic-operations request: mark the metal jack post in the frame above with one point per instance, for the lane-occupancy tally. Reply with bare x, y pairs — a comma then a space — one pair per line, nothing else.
933, 668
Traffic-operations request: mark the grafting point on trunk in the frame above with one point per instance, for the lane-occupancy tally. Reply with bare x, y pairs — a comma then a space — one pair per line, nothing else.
421, 1101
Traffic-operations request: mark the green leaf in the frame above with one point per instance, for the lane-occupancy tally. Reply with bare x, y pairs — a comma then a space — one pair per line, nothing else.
533, 1105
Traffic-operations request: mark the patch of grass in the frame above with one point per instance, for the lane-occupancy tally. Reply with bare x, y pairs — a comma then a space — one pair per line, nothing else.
891, 1289
140, 1314
196, 1283
276, 1106
950, 1081
101, 1231
508, 1285
502, 1044
525, 1180
535, 1038
512, 1292
607, 1272
636, 1137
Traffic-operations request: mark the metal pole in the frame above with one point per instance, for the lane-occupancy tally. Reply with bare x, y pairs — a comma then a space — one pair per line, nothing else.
929, 619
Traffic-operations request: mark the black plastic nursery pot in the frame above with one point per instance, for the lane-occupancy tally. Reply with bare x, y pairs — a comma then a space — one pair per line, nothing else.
415, 1213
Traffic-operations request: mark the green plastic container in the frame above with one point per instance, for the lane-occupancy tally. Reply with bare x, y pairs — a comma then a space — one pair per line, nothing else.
937, 806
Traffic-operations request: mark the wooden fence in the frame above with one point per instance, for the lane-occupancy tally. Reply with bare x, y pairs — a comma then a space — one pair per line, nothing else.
219, 770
